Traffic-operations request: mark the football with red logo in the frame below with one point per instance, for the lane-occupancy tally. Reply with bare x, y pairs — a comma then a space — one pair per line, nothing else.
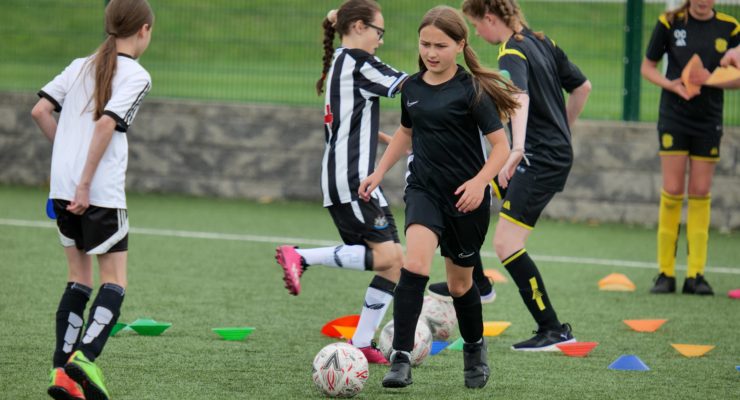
340, 370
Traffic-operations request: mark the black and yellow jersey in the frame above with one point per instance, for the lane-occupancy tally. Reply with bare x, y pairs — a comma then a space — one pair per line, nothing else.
680, 39
542, 70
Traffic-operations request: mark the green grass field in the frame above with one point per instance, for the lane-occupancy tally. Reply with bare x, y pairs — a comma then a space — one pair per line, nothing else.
270, 52
231, 279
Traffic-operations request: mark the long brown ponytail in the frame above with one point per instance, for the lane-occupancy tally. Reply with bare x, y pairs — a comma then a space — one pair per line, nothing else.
123, 18
341, 21
508, 10
449, 21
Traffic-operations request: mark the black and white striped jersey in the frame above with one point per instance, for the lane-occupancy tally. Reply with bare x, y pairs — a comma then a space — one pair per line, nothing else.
354, 84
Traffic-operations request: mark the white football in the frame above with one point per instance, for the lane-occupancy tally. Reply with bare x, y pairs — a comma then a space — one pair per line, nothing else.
422, 342
340, 370
440, 316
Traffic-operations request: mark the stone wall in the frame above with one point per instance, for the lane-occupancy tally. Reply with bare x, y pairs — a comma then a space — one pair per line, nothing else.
274, 152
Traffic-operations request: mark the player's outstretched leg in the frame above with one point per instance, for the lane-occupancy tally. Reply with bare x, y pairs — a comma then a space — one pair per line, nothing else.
290, 261
62, 387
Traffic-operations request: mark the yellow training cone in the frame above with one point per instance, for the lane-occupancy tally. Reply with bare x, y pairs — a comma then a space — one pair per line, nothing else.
616, 283
495, 328
692, 350
494, 276
346, 331
645, 325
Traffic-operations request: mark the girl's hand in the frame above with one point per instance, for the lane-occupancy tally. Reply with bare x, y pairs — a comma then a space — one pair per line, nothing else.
368, 185
509, 168
473, 192
678, 88
81, 201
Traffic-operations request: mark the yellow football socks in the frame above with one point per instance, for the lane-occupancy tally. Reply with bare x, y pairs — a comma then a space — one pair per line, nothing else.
697, 234
669, 220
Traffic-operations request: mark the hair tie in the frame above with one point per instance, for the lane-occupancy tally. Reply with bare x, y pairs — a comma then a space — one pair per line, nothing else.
332, 17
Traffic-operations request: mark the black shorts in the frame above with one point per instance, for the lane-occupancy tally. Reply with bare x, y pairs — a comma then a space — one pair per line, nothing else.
460, 237
698, 147
98, 231
360, 222
523, 200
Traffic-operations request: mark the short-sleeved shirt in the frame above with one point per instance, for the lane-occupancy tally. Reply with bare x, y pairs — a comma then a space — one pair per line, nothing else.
355, 81
542, 70
448, 122
680, 40
71, 92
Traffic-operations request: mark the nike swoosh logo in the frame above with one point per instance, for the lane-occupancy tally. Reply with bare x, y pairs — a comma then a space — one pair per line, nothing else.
463, 255
411, 103
376, 306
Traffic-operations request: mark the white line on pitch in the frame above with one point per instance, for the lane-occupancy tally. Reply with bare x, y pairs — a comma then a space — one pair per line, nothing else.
318, 242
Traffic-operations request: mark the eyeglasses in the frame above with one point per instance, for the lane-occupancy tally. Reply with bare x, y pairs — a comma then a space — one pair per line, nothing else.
380, 30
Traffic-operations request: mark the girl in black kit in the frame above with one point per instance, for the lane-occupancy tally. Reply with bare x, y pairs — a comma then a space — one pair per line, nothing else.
541, 154
689, 132
446, 113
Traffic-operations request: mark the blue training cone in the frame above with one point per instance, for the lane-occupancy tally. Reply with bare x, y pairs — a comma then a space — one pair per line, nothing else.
737, 368
50, 209
438, 346
629, 363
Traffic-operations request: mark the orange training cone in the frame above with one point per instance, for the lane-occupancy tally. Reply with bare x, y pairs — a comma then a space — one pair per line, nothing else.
346, 331
616, 283
577, 349
347, 320
692, 350
691, 68
494, 276
645, 325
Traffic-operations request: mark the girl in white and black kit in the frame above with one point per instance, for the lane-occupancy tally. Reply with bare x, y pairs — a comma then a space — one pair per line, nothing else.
355, 80
97, 98
447, 114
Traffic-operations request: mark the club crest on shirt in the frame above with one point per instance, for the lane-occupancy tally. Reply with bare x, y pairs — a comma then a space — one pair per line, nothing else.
720, 45
380, 222
680, 36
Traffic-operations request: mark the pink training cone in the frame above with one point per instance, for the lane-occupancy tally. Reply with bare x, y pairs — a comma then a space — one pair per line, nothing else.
692, 350
347, 320
645, 325
734, 294
577, 349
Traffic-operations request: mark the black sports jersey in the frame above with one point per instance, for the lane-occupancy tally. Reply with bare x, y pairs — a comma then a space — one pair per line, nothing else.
709, 39
447, 123
354, 83
542, 70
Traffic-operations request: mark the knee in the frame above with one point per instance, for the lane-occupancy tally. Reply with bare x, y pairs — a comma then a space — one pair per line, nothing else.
699, 190
502, 246
416, 266
674, 189
459, 287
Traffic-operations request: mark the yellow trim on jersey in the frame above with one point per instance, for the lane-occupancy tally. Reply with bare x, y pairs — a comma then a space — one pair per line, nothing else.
553, 43
502, 51
730, 19
496, 190
674, 153
513, 257
707, 159
663, 20
510, 219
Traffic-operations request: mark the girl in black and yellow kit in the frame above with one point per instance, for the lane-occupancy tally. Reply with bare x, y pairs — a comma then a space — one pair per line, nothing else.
689, 132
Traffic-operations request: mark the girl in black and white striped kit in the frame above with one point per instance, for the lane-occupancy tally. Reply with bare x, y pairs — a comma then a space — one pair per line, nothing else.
354, 80
97, 98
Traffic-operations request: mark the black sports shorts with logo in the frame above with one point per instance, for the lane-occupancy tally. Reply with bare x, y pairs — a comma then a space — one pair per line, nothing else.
359, 222
697, 147
523, 200
460, 237
98, 231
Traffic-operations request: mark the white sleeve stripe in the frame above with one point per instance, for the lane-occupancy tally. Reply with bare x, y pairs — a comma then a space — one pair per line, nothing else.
398, 81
